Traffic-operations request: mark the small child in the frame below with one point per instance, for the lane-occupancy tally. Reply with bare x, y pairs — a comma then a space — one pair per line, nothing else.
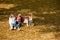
12, 21
30, 20
26, 20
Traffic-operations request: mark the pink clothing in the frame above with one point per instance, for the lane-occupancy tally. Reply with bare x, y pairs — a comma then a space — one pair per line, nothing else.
19, 19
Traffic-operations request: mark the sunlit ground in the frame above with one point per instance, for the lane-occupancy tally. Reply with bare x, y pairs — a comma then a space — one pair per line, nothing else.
41, 32
47, 24
7, 6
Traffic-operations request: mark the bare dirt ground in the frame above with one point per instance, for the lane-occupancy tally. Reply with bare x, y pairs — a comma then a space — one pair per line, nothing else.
28, 33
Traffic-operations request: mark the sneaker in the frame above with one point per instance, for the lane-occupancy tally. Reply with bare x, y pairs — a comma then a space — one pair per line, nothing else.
14, 27
11, 29
19, 29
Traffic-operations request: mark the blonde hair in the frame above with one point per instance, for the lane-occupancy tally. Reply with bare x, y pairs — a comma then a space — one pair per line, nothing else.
19, 14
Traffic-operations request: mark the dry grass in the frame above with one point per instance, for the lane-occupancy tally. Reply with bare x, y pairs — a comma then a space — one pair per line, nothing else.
47, 28
47, 23
42, 32
7, 6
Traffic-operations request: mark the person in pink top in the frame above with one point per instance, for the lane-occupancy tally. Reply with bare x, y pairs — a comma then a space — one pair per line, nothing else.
19, 21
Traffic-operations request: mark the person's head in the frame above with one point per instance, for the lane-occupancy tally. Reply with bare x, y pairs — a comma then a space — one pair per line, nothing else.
19, 15
11, 15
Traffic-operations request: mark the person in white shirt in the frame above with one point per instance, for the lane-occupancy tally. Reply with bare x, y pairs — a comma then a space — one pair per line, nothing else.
26, 20
12, 21
30, 20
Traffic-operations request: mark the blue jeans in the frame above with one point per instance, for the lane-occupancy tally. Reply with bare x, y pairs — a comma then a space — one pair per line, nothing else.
30, 22
12, 25
19, 24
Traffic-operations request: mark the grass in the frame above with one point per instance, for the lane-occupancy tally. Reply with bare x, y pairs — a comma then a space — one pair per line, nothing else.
42, 32
46, 17
46, 28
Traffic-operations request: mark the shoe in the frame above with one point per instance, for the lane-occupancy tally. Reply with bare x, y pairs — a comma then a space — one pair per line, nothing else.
14, 27
11, 29
19, 29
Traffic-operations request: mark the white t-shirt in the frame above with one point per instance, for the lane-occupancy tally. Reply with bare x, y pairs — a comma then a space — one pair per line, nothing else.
25, 20
30, 18
12, 20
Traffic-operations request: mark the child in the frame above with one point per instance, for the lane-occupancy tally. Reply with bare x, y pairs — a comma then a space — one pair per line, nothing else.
19, 19
12, 21
30, 20
26, 20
